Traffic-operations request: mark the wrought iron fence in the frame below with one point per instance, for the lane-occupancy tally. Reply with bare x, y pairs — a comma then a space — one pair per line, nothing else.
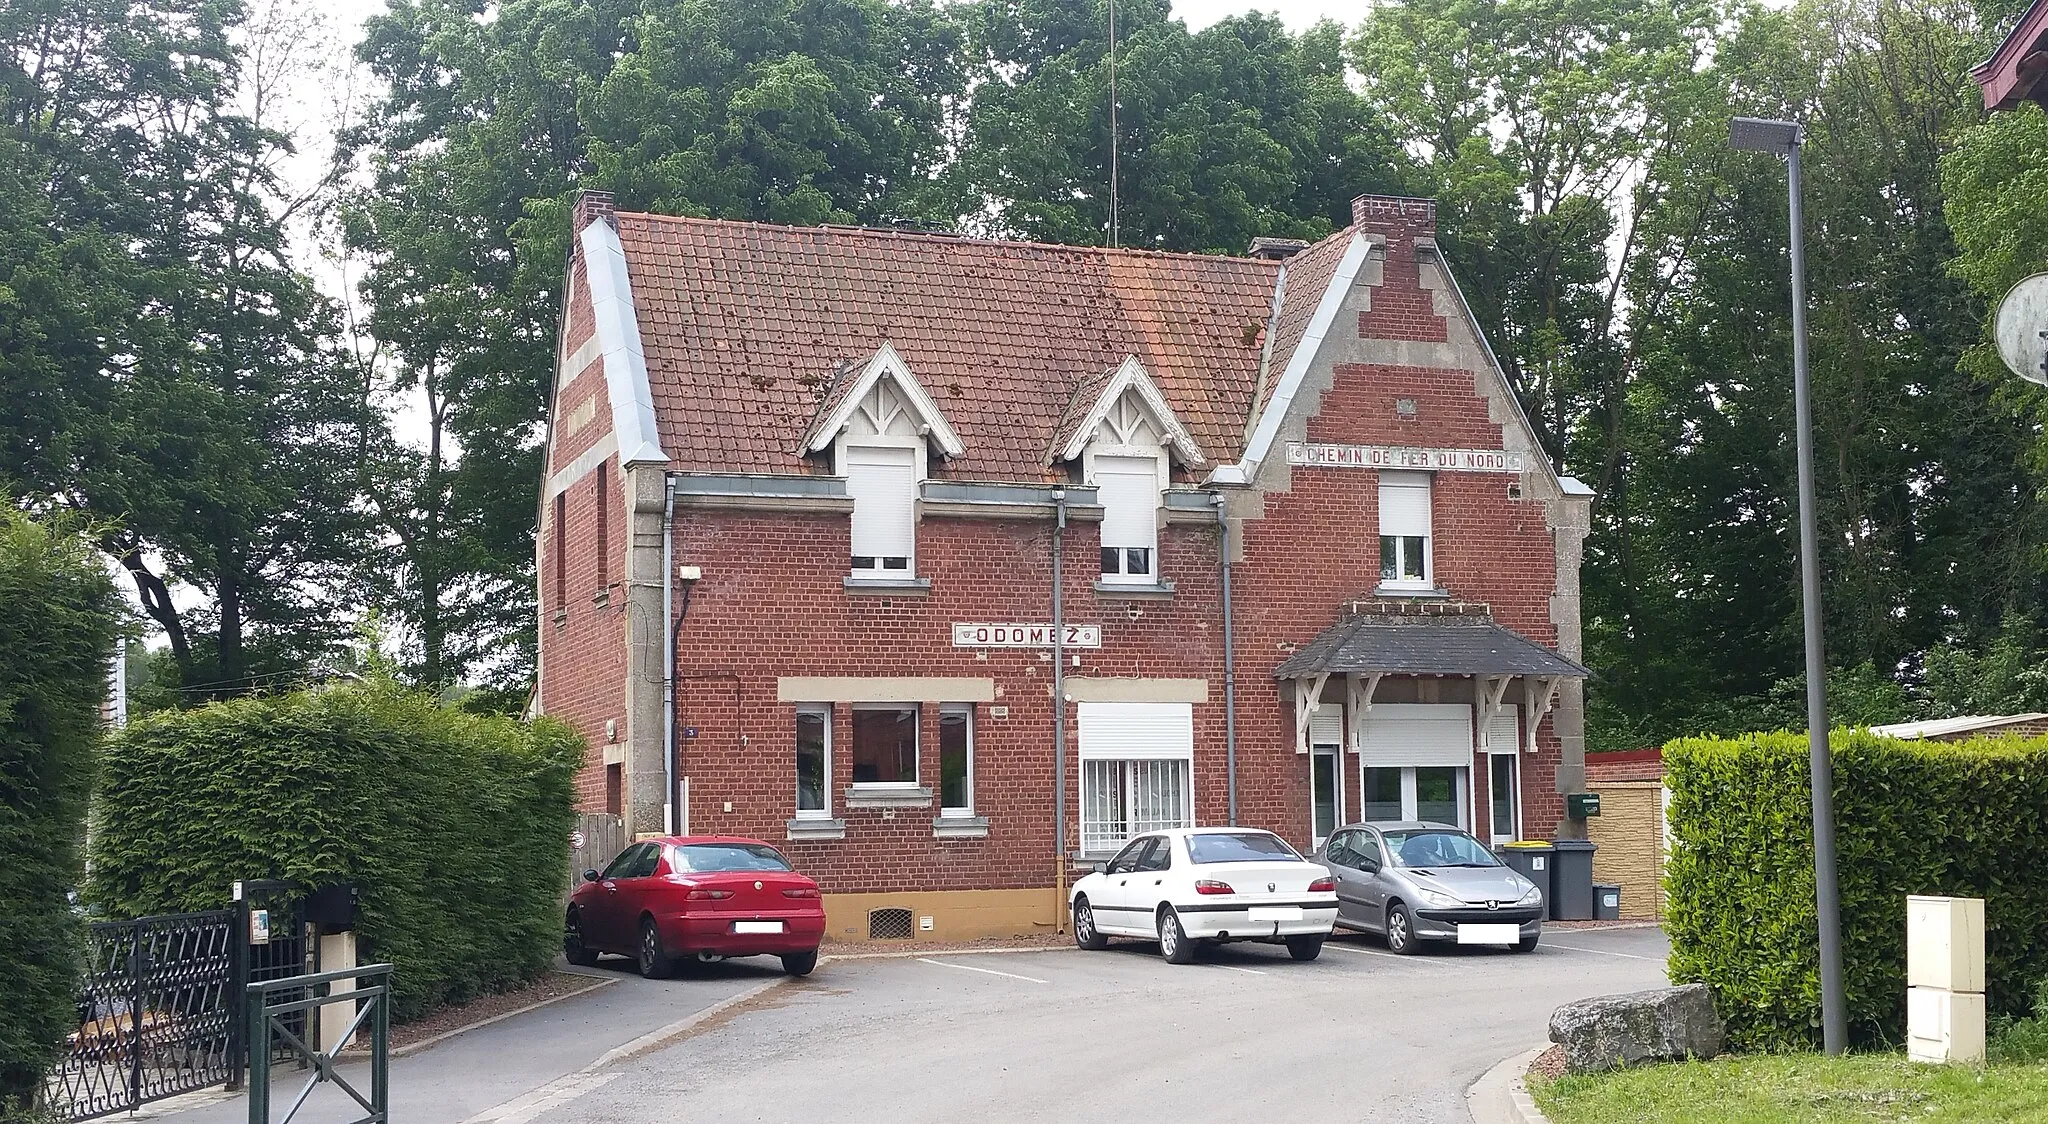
157, 1014
272, 1017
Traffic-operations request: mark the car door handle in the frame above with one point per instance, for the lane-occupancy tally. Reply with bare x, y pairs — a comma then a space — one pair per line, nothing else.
1157, 881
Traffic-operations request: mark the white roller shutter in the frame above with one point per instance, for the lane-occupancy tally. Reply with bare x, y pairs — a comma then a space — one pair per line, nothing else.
1417, 734
1129, 491
1326, 726
883, 484
1128, 731
1404, 503
1504, 734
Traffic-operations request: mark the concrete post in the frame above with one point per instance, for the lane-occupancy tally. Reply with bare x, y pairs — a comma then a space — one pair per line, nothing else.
645, 633
337, 952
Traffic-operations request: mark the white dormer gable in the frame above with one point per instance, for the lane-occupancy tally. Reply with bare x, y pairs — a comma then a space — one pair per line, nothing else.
1130, 413
886, 401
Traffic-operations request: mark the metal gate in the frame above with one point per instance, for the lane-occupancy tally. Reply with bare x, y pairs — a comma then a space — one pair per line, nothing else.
286, 952
158, 1014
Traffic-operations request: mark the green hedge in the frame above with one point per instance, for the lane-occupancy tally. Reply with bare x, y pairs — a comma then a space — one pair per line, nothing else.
58, 617
1964, 819
454, 826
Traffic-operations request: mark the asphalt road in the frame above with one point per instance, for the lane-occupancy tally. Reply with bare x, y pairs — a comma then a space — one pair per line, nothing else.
1359, 1035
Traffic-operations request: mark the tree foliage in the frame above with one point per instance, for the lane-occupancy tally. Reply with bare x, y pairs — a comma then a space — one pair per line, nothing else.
58, 618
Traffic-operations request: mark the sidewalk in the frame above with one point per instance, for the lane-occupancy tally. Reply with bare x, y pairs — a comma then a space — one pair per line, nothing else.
463, 1076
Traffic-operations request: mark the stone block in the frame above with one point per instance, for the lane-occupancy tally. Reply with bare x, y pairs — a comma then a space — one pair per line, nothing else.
1662, 1024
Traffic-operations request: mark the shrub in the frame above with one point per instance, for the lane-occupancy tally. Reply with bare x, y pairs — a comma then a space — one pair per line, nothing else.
453, 826
1964, 819
57, 629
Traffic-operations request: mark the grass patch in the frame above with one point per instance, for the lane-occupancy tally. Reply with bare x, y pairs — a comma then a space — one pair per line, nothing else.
1767, 1089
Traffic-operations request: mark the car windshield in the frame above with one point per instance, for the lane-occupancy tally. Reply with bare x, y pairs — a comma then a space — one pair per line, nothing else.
1238, 847
703, 858
1437, 848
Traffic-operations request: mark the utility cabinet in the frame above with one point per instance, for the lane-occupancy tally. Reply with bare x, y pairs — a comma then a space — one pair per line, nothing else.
1945, 979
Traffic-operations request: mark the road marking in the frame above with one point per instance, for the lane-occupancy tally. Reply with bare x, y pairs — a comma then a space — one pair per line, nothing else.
983, 971
1377, 952
1605, 952
1235, 968
554, 1094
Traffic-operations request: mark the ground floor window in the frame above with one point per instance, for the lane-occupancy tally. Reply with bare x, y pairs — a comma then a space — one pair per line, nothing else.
956, 760
1120, 799
813, 762
1501, 796
885, 745
1323, 774
1416, 792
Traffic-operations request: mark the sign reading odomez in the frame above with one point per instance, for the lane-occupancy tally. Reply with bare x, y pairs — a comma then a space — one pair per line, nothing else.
974, 635
1387, 456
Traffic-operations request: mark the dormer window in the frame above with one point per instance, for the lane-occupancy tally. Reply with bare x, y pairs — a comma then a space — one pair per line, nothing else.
1126, 441
882, 430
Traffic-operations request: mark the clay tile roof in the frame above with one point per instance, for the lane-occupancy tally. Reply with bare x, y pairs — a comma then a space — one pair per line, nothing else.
844, 375
747, 328
1308, 277
1087, 390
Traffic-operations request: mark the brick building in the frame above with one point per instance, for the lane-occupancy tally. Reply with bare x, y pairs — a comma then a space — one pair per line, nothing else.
808, 492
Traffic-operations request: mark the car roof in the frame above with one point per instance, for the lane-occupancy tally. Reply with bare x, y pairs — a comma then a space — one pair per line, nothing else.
686, 840
1184, 832
1402, 825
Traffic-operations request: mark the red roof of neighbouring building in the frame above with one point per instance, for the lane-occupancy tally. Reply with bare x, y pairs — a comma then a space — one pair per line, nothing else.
1626, 765
2017, 71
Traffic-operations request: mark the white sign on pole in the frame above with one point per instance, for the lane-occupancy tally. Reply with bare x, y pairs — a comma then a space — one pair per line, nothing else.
976, 635
1387, 456
2021, 328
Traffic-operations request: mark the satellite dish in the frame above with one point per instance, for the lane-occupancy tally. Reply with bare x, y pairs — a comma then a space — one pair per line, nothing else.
2021, 327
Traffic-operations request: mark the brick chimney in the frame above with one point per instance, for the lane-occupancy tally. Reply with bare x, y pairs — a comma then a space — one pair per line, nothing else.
592, 206
1275, 249
1395, 216
1401, 308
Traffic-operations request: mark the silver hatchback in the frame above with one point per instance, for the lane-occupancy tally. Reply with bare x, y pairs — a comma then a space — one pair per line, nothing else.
1414, 881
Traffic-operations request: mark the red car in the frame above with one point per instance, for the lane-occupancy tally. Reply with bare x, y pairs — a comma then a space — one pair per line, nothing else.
707, 896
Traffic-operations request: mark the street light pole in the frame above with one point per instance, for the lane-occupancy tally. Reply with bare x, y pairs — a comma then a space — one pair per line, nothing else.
1782, 137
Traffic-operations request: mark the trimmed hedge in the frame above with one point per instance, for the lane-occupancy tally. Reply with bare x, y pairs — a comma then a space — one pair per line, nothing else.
58, 622
1964, 819
453, 826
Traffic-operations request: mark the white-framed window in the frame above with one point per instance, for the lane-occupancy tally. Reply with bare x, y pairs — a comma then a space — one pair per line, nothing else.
1437, 793
956, 760
883, 483
1128, 487
1406, 560
1503, 745
1137, 771
1326, 770
814, 762
1416, 762
885, 745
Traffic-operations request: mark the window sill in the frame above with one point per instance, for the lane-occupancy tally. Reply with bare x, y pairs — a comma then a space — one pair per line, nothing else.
960, 827
807, 830
559, 616
888, 587
1412, 592
888, 797
1134, 591
602, 597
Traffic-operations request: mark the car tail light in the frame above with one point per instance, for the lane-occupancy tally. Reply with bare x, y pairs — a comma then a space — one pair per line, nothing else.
1211, 886
801, 892
1325, 885
709, 895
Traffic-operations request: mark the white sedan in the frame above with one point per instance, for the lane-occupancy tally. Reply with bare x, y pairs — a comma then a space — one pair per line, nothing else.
1197, 886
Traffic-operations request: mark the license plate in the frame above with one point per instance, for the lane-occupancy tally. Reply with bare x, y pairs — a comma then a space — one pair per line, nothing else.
1489, 934
1274, 913
757, 926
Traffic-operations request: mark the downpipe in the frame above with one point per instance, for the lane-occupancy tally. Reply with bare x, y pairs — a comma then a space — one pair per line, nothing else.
1059, 716
668, 655
1229, 658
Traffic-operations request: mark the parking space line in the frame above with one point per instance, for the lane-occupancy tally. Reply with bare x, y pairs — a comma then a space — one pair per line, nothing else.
1235, 968
1606, 952
983, 971
1382, 955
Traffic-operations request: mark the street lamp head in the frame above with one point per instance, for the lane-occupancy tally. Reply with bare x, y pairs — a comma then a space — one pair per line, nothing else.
1760, 134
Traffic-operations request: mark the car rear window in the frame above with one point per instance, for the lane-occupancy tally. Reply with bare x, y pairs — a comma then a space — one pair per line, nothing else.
703, 858
1238, 847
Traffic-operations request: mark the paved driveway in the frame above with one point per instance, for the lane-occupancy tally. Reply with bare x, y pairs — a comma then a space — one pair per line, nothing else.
1064, 1035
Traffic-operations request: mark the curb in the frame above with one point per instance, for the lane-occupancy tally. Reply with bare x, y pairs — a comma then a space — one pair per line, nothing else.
1500, 1097
412, 1048
661, 1036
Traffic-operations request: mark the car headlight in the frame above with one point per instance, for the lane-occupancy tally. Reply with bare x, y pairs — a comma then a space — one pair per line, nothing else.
1530, 896
1437, 898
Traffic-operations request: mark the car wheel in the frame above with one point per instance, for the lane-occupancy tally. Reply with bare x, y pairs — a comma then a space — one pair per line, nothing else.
1173, 940
1400, 930
1528, 943
1086, 935
800, 963
654, 960
1304, 948
573, 948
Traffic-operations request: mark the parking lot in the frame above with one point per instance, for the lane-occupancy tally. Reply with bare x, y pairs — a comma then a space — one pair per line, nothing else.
1246, 1033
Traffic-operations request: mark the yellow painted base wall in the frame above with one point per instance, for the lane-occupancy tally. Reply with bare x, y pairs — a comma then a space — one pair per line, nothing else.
1629, 832
957, 915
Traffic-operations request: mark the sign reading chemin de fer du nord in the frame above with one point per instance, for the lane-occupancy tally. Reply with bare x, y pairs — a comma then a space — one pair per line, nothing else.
1386, 456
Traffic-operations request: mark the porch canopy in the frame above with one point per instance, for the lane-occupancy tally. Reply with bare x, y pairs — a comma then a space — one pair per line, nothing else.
1451, 641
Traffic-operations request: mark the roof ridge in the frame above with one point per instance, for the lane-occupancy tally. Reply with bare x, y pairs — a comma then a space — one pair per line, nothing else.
928, 237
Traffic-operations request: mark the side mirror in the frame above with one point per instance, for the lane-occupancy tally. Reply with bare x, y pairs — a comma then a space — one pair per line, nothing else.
591, 876
1101, 868
1370, 866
